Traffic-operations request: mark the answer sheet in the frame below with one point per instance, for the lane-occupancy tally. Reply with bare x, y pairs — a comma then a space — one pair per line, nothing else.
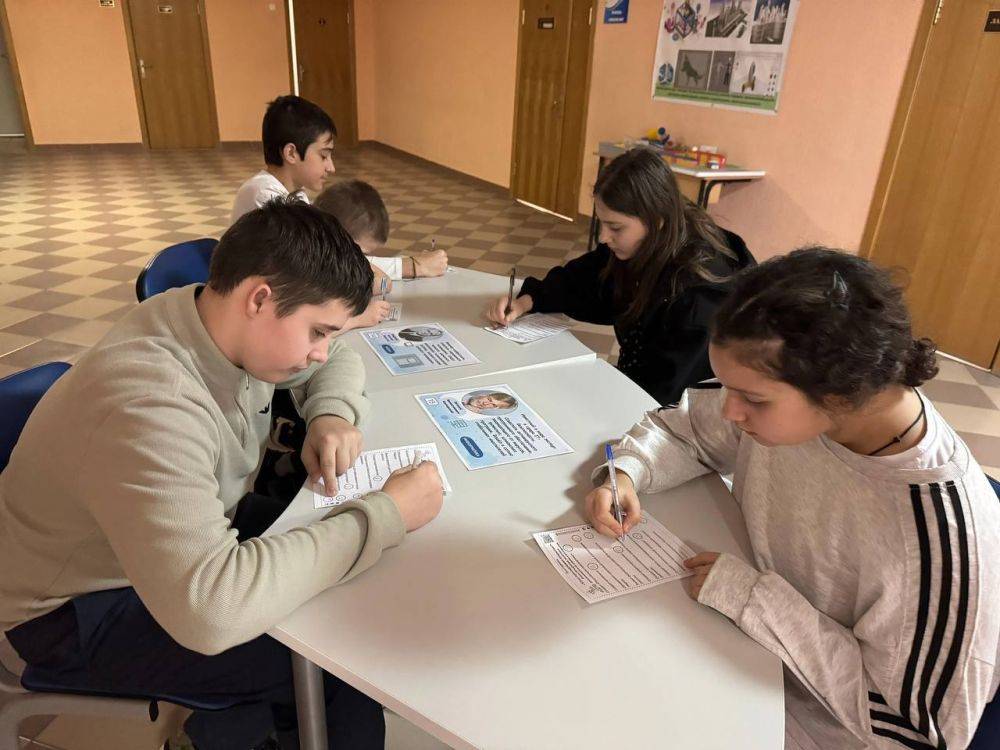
373, 468
395, 312
533, 327
599, 567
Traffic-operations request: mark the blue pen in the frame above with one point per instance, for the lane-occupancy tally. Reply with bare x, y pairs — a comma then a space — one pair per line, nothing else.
382, 293
619, 516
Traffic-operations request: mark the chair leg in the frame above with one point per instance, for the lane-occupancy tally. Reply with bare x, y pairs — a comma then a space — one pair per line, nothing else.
17, 708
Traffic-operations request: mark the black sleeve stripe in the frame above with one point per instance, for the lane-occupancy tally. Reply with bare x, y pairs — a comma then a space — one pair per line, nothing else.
948, 671
920, 698
902, 739
943, 608
876, 698
923, 603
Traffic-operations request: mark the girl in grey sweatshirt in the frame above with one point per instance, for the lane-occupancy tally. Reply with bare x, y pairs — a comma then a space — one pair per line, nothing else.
876, 535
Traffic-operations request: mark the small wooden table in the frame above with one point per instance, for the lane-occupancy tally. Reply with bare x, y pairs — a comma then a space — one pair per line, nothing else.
707, 179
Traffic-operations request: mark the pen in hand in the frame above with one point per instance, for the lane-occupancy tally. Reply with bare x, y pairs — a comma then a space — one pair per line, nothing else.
616, 506
510, 294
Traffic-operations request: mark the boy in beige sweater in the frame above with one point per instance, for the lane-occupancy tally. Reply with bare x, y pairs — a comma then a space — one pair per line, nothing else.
118, 560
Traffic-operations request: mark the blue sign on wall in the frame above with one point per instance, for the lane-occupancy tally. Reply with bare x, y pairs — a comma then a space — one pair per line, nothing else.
615, 11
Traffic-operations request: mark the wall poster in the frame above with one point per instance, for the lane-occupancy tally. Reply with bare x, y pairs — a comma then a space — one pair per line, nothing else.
728, 53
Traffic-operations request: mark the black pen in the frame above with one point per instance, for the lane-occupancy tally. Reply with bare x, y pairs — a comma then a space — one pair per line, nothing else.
510, 295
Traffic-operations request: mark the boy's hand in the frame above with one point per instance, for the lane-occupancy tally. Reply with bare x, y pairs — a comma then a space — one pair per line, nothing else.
377, 283
417, 492
599, 509
331, 446
377, 311
429, 263
497, 311
701, 564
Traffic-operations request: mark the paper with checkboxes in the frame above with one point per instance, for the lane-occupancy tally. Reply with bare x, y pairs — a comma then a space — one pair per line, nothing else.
370, 472
599, 567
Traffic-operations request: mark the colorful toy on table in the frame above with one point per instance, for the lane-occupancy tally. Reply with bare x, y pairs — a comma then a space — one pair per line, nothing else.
695, 156
658, 136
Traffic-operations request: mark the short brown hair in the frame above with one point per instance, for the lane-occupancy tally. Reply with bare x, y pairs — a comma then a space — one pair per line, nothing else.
358, 207
305, 255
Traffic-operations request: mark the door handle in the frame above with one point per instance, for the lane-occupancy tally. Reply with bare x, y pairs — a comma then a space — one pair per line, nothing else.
302, 71
143, 68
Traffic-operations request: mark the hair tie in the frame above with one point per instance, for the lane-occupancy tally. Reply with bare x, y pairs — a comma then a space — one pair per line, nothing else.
839, 295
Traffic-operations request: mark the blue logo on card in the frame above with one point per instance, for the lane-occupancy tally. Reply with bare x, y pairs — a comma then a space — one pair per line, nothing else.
470, 445
388, 349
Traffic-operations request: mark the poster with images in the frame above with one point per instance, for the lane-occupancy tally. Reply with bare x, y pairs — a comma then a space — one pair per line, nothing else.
723, 53
417, 348
491, 425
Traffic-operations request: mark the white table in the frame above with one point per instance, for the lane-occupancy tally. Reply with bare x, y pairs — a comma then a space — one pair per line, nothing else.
456, 301
468, 632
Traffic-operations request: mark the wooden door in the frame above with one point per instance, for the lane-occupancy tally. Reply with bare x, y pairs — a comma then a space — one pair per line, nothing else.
10, 106
324, 46
172, 72
936, 211
551, 102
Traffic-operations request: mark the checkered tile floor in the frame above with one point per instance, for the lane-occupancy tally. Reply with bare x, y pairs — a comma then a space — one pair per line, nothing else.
77, 225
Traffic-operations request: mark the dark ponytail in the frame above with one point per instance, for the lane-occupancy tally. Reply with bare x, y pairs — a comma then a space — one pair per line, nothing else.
828, 323
921, 362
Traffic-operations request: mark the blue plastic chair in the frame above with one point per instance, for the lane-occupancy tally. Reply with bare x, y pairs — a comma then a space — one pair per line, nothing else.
38, 692
174, 266
19, 393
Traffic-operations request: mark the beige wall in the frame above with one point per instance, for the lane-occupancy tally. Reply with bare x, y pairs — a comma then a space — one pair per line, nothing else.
77, 79
248, 40
437, 79
75, 71
444, 76
822, 150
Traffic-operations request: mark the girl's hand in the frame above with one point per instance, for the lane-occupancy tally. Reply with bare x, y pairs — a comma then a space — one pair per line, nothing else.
599, 508
701, 564
497, 311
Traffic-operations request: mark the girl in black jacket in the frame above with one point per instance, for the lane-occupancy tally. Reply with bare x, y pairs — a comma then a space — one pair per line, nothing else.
661, 270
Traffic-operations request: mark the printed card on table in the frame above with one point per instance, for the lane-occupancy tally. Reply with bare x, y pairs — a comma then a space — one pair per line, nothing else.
491, 425
417, 348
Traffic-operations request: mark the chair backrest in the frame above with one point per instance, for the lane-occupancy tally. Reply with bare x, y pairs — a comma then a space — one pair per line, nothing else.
174, 266
987, 735
995, 484
19, 394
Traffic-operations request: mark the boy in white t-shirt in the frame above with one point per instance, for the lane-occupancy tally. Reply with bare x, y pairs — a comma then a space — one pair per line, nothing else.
298, 146
298, 136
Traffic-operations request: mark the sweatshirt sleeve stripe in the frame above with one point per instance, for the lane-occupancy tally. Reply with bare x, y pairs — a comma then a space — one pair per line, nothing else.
961, 615
937, 646
923, 603
943, 607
